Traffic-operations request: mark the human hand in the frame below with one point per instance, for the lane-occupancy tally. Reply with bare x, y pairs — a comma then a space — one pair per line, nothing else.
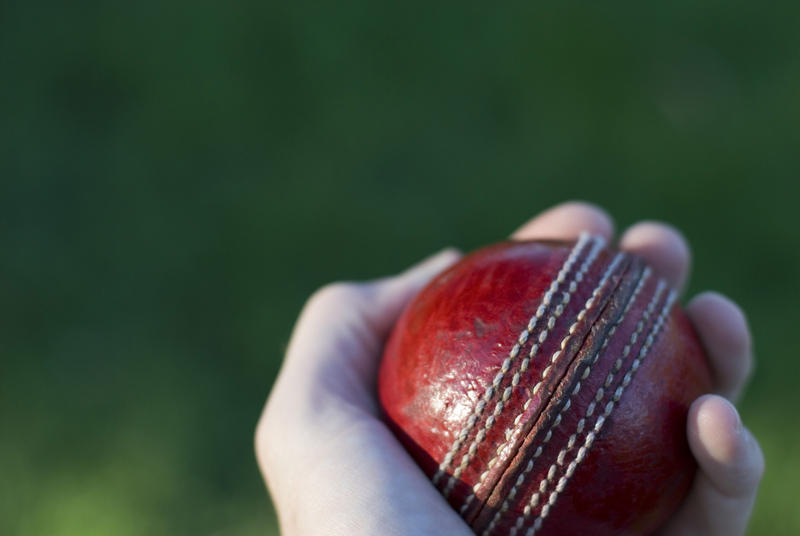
333, 467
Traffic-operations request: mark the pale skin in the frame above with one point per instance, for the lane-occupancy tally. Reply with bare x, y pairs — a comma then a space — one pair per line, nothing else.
333, 467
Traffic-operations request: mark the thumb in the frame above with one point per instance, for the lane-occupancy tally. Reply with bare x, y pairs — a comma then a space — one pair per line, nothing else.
391, 294
343, 325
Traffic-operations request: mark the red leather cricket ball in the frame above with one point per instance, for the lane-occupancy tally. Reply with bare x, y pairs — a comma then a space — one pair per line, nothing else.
544, 388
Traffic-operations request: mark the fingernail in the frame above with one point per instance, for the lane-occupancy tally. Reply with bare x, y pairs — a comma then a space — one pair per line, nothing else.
738, 427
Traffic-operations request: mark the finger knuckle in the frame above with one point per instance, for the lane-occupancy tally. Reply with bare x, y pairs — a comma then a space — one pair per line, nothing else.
260, 436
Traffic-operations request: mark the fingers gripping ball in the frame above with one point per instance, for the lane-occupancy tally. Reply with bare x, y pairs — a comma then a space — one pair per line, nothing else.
544, 389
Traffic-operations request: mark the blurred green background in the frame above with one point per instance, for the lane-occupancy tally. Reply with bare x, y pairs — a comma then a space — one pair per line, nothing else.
177, 177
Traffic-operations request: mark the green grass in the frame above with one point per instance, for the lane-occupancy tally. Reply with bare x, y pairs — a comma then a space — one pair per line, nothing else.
175, 180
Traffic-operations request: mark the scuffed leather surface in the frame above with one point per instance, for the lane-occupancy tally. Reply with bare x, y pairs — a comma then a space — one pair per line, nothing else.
449, 344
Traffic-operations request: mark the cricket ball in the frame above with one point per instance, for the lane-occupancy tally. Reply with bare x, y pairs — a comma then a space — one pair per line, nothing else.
544, 388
